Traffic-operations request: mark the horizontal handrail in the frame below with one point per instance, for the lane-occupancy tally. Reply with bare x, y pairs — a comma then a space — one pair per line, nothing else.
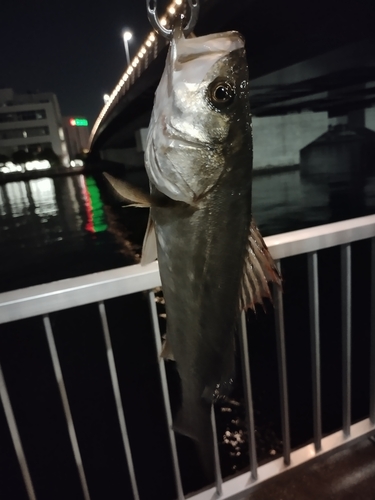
58, 295
316, 238
72, 292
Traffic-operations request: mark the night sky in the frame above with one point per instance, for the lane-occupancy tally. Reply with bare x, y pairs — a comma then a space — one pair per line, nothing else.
72, 48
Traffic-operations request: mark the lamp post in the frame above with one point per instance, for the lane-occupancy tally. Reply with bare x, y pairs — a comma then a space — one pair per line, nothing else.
127, 36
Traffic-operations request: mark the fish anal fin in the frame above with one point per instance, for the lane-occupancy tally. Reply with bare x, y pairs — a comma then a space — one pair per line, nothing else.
166, 351
259, 270
149, 249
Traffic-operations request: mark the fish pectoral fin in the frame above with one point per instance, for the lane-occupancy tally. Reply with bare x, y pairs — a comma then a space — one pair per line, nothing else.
129, 193
259, 270
149, 249
166, 351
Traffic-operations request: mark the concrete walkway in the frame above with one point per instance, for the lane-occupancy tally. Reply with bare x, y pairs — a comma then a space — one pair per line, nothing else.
346, 475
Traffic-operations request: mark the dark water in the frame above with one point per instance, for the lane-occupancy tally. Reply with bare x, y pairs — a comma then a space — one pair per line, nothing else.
57, 228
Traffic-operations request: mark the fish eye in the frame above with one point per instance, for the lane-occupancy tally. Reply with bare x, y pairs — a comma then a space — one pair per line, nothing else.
221, 94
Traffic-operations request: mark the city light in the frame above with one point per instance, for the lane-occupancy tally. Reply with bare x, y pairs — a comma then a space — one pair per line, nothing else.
76, 163
37, 165
78, 122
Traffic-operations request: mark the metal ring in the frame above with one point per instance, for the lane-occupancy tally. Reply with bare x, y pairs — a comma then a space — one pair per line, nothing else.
155, 23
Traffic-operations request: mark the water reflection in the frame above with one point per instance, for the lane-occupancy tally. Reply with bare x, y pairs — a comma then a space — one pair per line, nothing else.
96, 221
42, 197
286, 201
55, 228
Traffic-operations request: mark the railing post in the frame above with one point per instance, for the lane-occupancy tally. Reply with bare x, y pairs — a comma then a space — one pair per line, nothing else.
9, 415
282, 368
372, 331
66, 406
118, 400
248, 395
218, 476
346, 335
167, 405
315, 346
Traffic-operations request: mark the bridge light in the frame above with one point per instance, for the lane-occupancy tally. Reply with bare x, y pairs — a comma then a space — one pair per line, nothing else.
143, 50
127, 35
152, 37
172, 10
148, 43
163, 21
178, 2
106, 98
140, 54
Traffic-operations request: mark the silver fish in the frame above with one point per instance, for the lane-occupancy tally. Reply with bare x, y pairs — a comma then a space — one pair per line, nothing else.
213, 261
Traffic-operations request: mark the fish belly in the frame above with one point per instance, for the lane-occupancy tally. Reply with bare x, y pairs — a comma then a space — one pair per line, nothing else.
201, 254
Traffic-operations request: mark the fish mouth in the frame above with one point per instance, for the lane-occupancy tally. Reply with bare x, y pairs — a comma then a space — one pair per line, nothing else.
190, 49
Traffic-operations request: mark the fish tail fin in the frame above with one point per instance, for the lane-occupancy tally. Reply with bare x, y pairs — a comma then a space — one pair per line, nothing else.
194, 421
259, 270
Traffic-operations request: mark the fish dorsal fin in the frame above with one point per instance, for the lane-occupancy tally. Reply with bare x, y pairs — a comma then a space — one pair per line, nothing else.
259, 269
149, 249
129, 193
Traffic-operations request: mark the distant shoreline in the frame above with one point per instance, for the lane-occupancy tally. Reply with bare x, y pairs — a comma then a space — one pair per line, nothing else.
37, 174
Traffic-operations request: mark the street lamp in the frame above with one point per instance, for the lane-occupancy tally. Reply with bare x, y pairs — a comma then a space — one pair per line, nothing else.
127, 36
106, 98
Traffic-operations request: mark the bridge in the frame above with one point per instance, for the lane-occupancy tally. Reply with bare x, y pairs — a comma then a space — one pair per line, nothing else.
311, 65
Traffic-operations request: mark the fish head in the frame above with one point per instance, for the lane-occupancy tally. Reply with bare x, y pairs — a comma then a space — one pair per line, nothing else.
201, 115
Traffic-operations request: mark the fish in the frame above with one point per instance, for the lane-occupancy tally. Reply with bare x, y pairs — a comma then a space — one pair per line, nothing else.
212, 258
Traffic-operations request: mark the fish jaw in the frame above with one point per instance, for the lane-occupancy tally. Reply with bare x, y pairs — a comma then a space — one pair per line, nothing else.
188, 138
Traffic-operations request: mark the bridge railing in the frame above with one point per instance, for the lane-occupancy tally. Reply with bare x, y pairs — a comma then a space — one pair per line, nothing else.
147, 52
96, 288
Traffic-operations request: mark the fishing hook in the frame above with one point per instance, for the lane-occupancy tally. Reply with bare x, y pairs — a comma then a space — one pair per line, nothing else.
166, 33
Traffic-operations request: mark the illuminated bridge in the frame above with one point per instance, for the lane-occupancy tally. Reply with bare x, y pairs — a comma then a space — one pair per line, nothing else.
311, 64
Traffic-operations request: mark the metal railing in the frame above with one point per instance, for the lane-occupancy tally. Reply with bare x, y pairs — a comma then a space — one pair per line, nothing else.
44, 299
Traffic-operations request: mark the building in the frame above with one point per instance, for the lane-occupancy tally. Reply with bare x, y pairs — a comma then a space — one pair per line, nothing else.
77, 135
31, 122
